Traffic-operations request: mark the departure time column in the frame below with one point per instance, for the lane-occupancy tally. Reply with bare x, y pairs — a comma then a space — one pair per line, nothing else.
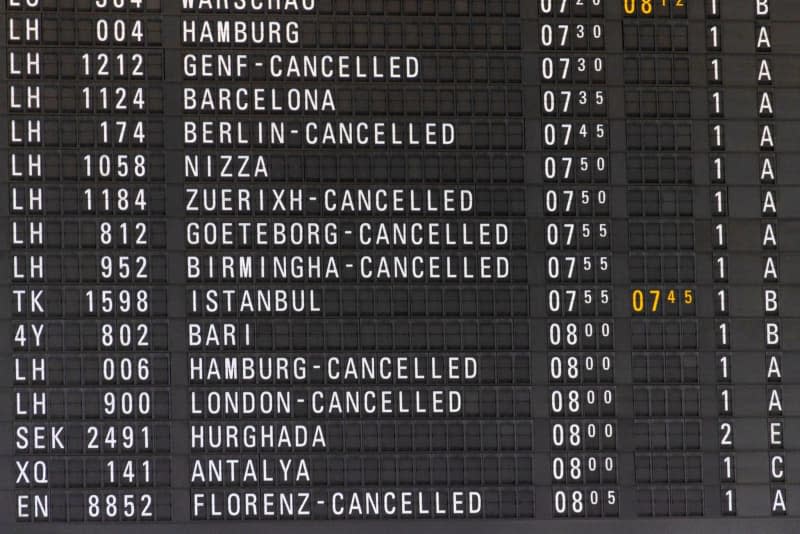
579, 326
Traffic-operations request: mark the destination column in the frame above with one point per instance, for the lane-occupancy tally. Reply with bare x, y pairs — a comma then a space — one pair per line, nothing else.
356, 266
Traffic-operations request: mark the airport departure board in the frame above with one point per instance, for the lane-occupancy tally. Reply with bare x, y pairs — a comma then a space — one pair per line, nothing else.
358, 266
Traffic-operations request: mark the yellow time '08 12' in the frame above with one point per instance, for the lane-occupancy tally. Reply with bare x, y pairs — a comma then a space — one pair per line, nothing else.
646, 7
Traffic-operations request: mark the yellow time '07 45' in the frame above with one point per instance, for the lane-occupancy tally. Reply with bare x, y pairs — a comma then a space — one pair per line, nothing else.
653, 300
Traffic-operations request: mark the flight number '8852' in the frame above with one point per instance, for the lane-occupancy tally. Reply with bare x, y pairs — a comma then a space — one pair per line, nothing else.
125, 506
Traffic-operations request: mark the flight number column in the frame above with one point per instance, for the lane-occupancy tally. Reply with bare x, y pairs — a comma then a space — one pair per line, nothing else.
124, 193
579, 325
89, 340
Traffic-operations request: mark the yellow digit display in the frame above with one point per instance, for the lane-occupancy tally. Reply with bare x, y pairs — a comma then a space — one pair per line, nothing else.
645, 7
653, 300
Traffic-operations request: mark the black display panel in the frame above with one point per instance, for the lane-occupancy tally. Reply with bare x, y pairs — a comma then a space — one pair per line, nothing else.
441, 265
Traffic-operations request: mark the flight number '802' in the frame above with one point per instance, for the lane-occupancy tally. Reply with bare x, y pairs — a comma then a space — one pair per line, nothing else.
124, 335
